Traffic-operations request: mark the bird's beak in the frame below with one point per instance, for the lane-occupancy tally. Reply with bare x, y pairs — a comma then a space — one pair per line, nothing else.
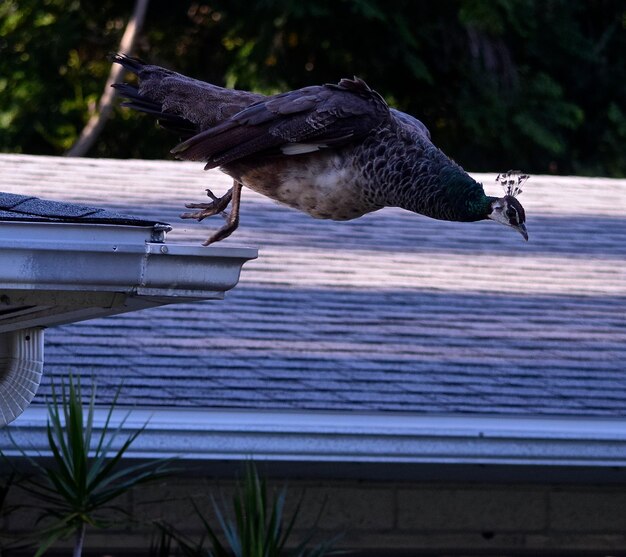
521, 228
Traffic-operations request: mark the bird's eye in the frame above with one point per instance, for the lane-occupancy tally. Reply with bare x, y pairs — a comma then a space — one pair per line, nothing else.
511, 214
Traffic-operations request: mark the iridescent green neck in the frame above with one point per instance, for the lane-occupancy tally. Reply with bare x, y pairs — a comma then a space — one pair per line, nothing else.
465, 196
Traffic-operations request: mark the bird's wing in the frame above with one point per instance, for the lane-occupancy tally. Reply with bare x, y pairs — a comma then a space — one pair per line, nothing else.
180, 103
294, 122
409, 124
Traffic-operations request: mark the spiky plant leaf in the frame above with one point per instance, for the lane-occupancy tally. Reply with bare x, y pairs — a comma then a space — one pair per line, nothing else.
161, 543
85, 476
255, 527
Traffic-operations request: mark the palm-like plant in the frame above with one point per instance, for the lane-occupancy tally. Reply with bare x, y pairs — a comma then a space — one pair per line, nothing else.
259, 527
85, 476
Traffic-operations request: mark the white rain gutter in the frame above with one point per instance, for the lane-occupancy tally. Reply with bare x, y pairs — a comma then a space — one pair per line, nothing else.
354, 438
53, 273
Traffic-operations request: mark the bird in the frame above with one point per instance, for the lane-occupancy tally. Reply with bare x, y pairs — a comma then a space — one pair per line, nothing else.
333, 151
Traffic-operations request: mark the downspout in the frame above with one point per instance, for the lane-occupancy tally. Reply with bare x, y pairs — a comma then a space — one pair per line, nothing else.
21, 366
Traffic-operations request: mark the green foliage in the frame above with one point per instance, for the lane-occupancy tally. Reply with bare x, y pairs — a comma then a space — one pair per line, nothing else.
85, 477
259, 527
51, 69
532, 84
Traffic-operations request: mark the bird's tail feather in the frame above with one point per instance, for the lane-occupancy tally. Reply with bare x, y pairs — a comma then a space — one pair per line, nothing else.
172, 122
202, 104
128, 62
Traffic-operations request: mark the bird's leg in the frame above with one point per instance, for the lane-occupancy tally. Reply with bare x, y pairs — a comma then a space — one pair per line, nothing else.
232, 219
218, 205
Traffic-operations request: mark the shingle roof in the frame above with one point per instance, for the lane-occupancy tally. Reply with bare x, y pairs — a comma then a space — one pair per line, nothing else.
389, 312
32, 209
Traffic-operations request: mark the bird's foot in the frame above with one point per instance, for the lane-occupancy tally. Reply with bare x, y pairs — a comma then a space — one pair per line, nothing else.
223, 232
232, 218
218, 205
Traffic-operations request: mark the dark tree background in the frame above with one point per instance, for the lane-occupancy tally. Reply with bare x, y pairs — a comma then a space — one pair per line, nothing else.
532, 84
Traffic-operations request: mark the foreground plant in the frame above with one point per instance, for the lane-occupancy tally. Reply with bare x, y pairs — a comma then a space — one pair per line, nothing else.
86, 475
258, 528
8, 541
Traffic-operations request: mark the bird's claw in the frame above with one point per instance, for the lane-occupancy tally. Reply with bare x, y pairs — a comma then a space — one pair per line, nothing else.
210, 194
222, 233
197, 215
232, 218
217, 206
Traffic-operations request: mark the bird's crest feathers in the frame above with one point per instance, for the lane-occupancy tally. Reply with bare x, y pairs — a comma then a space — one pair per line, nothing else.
512, 182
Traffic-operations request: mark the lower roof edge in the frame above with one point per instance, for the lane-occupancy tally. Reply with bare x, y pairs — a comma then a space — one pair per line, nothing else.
351, 437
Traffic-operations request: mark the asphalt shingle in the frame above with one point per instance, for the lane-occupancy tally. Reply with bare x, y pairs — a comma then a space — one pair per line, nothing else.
391, 312
27, 208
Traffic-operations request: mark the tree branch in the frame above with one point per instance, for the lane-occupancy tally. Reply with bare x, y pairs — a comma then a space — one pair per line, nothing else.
96, 122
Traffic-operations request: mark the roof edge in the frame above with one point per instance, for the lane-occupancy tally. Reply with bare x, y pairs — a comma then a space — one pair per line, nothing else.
46, 283
355, 437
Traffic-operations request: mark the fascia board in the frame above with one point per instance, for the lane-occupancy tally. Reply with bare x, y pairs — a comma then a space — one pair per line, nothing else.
354, 437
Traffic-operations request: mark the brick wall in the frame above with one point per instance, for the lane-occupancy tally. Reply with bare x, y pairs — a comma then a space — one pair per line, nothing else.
387, 518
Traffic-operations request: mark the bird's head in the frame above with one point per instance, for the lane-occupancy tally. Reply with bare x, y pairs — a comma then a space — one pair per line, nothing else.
508, 210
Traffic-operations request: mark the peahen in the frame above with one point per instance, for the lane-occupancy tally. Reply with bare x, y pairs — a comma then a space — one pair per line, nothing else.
332, 151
